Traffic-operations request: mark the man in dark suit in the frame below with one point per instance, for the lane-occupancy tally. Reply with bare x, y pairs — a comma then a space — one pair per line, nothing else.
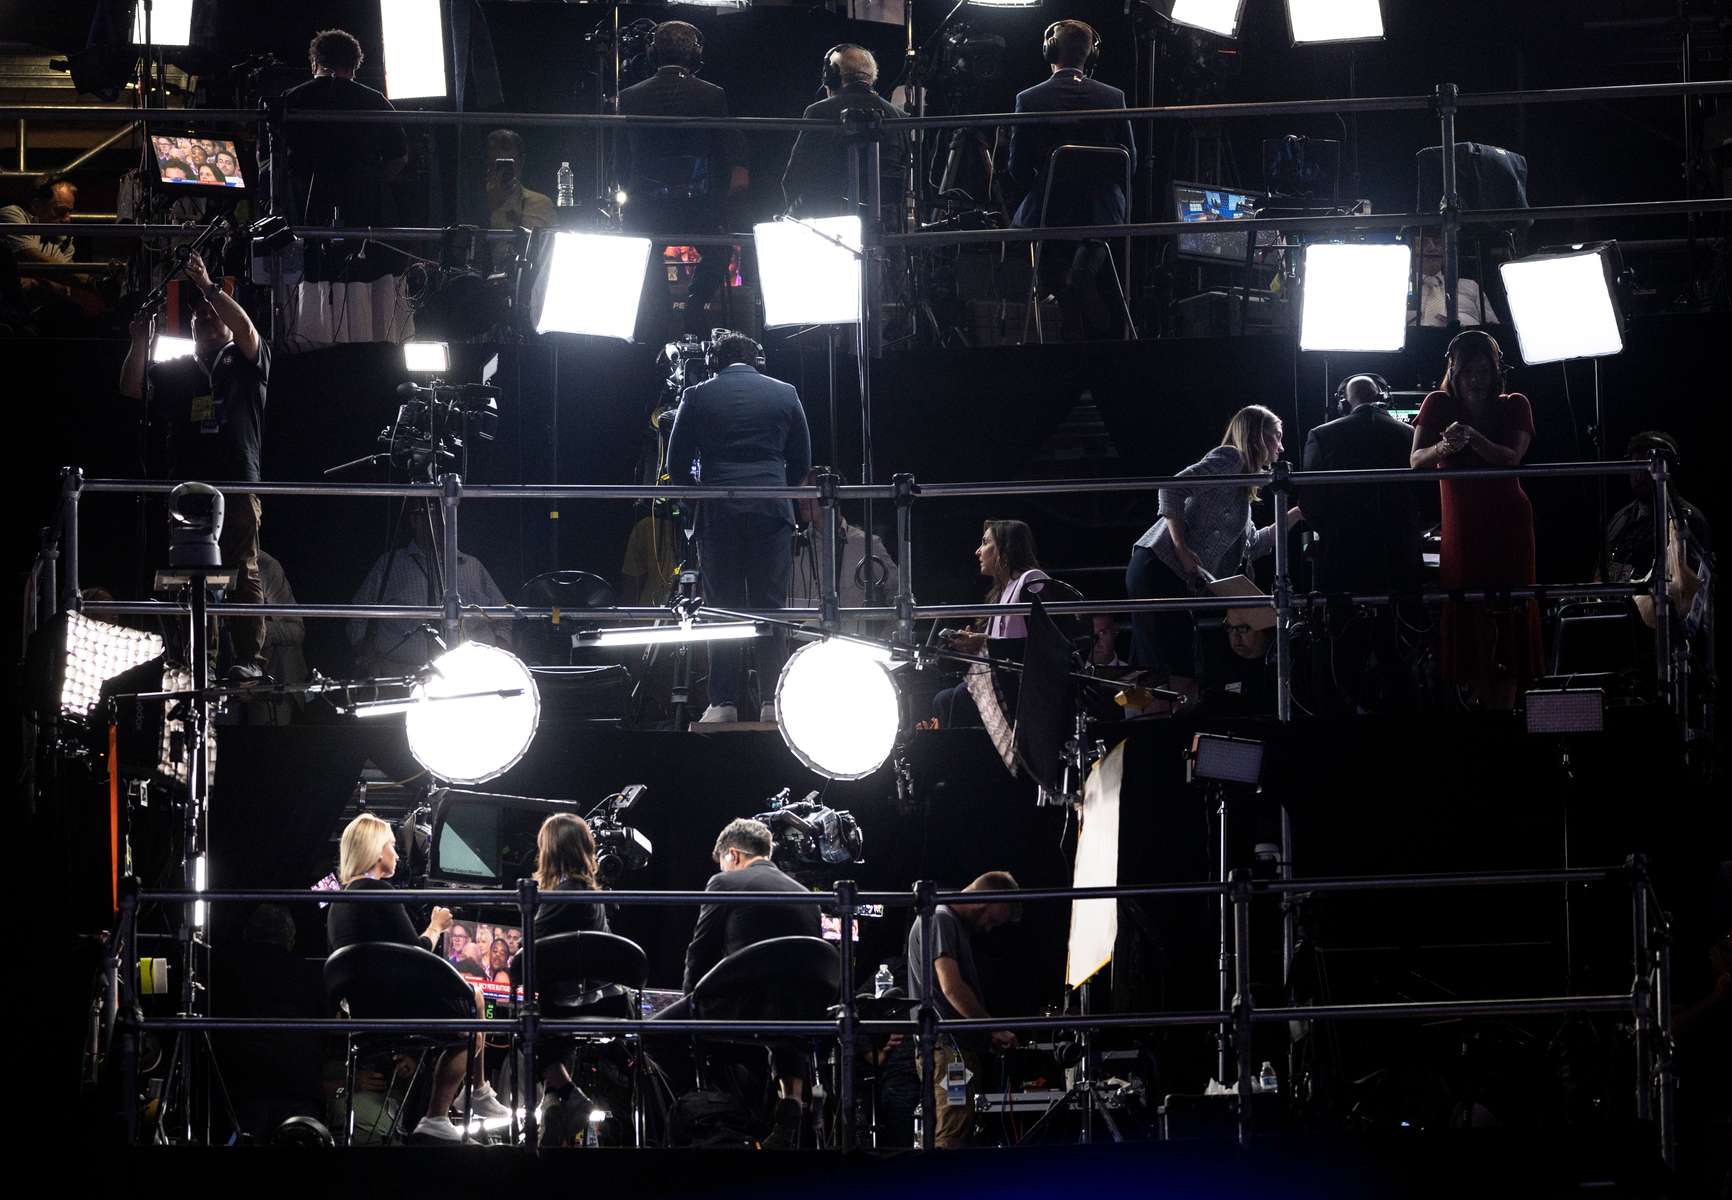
678, 180
743, 429
1086, 191
742, 851
1368, 536
817, 179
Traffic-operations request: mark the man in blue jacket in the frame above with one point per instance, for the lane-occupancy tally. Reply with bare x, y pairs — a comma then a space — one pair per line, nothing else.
742, 429
1087, 191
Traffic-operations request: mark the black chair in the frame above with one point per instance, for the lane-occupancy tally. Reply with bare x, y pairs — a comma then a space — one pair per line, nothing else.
1092, 164
588, 976
387, 981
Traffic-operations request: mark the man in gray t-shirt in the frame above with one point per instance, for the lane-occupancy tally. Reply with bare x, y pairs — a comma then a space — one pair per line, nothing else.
957, 994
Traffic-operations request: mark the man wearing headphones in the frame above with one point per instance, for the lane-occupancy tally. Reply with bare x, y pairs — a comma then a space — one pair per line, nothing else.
817, 180
742, 429
677, 180
1085, 192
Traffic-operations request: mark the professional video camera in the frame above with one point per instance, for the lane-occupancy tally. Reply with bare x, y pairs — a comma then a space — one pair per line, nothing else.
435, 423
808, 834
618, 847
479, 839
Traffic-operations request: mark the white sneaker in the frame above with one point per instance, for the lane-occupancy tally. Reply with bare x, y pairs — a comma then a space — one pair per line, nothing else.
440, 1129
719, 714
486, 1103
767, 712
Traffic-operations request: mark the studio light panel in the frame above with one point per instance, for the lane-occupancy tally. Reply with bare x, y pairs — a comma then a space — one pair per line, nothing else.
170, 23
1355, 297
413, 32
1312, 21
429, 358
1563, 305
1213, 16
591, 284
96, 652
168, 348
810, 271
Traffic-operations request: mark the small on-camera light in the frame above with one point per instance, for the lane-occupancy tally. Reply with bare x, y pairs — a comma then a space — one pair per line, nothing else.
1570, 710
477, 737
1226, 759
170, 23
1355, 296
809, 271
1313, 21
168, 348
621, 197
837, 709
591, 283
1564, 303
413, 33
195, 526
428, 358
1211, 16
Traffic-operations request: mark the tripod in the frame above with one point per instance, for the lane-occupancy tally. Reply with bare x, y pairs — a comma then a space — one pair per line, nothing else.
1087, 1091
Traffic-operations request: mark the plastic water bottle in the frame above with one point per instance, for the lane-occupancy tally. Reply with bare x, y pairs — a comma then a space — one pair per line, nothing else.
566, 196
882, 982
1267, 1081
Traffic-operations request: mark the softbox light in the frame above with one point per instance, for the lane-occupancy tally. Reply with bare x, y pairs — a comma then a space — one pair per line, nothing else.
170, 23
484, 731
1355, 297
837, 709
809, 271
1211, 16
1564, 303
413, 33
1314, 21
591, 283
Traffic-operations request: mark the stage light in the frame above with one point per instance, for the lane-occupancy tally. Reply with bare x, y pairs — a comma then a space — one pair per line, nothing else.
1211, 16
169, 348
1564, 303
591, 283
170, 23
474, 737
665, 635
1355, 297
1573, 710
90, 654
429, 358
837, 709
1226, 759
809, 271
1314, 21
413, 33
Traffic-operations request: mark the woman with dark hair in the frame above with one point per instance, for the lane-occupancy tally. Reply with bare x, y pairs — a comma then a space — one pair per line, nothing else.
1492, 650
565, 862
1201, 534
1006, 556
499, 961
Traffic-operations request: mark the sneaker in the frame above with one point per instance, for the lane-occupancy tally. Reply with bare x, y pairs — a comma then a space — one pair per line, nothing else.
785, 1128
438, 1129
767, 712
486, 1103
719, 714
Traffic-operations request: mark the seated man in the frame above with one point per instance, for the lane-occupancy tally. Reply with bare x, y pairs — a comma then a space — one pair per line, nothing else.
742, 851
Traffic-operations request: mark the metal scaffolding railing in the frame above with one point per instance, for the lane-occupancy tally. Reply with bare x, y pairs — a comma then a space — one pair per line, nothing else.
1646, 1003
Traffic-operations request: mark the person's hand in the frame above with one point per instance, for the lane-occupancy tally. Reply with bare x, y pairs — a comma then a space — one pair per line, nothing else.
1188, 559
441, 920
1294, 516
891, 1042
1003, 1039
1457, 436
498, 184
968, 641
195, 271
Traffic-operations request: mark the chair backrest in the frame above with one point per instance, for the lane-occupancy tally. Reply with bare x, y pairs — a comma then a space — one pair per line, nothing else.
569, 963
785, 978
384, 980
1089, 164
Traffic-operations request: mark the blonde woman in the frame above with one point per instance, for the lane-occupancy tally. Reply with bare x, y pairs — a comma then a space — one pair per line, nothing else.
367, 858
1201, 534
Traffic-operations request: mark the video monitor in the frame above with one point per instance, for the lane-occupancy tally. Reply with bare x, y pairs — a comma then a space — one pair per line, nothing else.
1204, 205
482, 951
192, 161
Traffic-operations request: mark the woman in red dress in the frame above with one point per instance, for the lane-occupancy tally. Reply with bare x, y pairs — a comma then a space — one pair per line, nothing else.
1491, 648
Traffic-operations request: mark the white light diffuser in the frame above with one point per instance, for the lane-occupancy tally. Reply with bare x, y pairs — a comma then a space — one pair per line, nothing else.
170, 23
1214, 16
472, 740
168, 348
96, 652
413, 32
666, 635
1355, 297
591, 283
1563, 305
809, 271
426, 357
836, 707
1313, 21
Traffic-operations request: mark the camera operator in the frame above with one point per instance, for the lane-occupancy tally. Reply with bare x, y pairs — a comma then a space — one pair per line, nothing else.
215, 410
510, 205
747, 430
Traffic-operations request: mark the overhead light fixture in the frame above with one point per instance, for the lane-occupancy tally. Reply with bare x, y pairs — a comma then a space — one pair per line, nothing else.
1212, 16
428, 358
78, 655
837, 709
1355, 296
1564, 302
591, 284
1226, 759
1316, 21
168, 348
170, 23
666, 635
476, 713
1006, 3
413, 33
1566, 710
809, 271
